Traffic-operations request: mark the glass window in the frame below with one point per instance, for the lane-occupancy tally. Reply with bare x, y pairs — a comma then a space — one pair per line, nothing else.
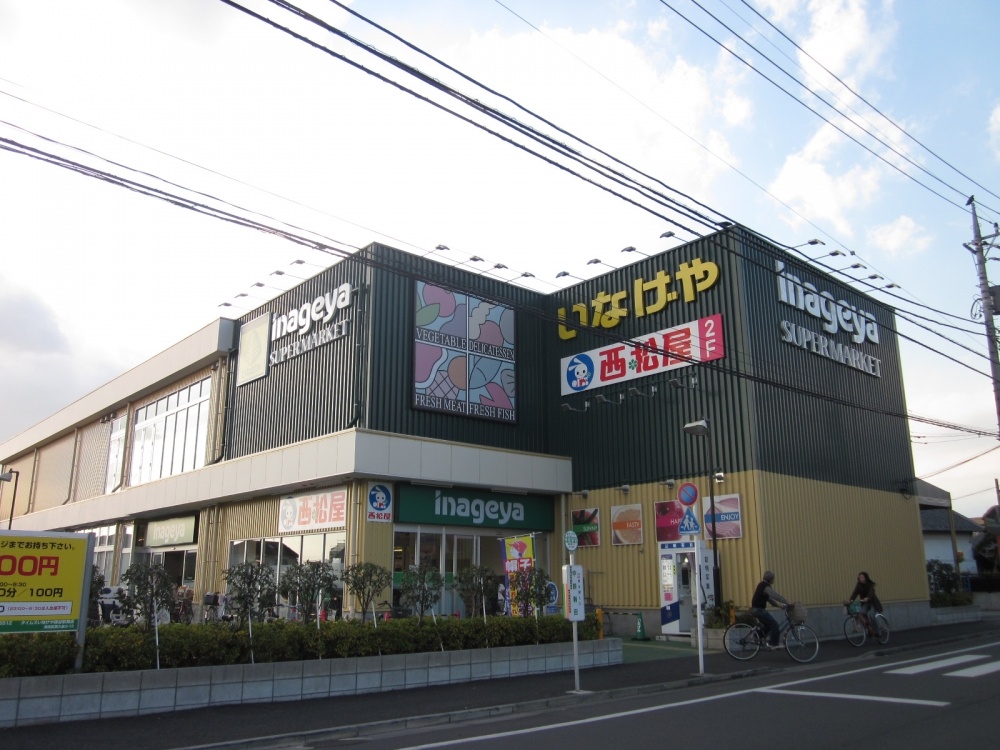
168, 444
171, 402
161, 406
182, 397
190, 441
202, 436
206, 386
190, 563
237, 553
156, 462
312, 547
179, 433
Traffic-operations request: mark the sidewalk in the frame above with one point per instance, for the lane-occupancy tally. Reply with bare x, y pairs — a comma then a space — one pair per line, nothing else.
648, 666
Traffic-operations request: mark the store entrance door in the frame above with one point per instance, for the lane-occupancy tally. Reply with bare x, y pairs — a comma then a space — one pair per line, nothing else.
179, 564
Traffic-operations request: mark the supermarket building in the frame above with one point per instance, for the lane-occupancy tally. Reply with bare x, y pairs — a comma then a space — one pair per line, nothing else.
395, 410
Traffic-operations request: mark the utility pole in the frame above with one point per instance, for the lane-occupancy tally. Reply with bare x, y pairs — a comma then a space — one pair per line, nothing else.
976, 248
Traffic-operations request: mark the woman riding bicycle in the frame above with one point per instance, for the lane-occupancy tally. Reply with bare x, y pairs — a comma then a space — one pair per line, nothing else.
865, 590
763, 594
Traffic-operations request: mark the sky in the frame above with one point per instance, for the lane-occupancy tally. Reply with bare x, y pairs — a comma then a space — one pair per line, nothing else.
200, 100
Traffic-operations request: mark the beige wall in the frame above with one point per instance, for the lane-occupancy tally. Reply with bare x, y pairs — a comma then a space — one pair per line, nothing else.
55, 472
816, 537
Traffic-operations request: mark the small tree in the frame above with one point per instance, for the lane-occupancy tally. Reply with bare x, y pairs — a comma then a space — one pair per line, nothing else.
251, 589
421, 588
477, 584
303, 583
147, 590
93, 605
366, 581
527, 590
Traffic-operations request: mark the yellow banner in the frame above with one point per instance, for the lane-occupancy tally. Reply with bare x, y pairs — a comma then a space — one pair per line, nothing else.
41, 581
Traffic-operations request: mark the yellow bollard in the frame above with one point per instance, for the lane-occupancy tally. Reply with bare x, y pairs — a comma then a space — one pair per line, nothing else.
600, 624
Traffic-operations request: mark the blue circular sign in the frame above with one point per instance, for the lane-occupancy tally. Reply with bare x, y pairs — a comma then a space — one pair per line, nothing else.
580, 372
552, 593
688, 494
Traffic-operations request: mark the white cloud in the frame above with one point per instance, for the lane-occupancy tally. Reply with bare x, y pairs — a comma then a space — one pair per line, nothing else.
900, 238
811, 187
736, 109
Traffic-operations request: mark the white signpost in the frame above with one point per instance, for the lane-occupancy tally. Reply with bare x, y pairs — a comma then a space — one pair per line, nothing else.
575, 602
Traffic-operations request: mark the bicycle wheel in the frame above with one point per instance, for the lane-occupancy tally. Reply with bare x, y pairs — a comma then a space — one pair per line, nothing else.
854, 631
801, 643
741, 641
881, 629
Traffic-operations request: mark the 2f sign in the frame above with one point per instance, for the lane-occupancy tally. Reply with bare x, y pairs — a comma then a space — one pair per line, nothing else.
573, 589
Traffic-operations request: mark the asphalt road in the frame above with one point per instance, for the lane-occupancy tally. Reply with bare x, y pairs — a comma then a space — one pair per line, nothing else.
935, 698
664, 672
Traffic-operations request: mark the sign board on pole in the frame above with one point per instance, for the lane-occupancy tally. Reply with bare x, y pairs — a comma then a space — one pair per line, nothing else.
688, 494
42, 577
573, 590
571, 540
689, 524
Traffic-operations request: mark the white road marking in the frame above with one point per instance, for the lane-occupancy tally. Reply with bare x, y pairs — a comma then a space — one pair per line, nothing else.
977, 671
855, 697
679, 704
939, 664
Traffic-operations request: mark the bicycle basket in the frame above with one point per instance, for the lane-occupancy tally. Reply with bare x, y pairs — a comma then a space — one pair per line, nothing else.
797, 613
854, 607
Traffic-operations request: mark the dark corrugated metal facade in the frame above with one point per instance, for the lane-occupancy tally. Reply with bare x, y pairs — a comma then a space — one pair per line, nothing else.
819, 437
755, 398
308, 395
641, 439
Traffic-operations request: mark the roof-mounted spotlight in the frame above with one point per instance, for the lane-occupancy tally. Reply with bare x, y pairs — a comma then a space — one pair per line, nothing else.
625, 488
631, 249
830, 254
567, 407
633, 391
688, 383
813, 241
602, 399
667, 234
563, 274
670, 483
582, 493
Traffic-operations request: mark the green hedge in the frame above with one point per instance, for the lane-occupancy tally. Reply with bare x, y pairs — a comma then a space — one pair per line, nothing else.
114, 649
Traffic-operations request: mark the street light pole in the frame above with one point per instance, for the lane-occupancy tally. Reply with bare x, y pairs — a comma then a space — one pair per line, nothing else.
701, 429
6, 477
716, 574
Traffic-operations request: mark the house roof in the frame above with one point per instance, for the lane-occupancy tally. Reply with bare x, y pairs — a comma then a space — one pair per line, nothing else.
936, 519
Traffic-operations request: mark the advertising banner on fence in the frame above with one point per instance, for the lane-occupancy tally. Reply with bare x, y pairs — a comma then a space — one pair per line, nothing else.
42, 577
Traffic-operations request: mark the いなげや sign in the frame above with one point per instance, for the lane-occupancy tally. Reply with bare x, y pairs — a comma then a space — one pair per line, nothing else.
42, 579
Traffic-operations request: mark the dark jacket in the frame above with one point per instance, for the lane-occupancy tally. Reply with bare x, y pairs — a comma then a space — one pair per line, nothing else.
866, 591
763, 594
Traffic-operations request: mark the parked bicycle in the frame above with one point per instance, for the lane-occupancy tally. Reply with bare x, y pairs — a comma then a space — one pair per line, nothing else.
858, 626
742, 641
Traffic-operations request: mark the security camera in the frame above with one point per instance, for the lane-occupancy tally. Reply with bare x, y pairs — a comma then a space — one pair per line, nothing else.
671, 483
719, 477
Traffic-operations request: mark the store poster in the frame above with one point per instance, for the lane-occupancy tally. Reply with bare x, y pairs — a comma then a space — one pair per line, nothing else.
668, 515
728, 517
626, 524
587, 526
518, 557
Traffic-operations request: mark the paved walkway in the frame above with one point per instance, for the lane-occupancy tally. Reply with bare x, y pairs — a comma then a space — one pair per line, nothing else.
649, 666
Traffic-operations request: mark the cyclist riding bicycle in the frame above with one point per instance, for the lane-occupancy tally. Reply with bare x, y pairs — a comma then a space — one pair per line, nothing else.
762, 595
870, 604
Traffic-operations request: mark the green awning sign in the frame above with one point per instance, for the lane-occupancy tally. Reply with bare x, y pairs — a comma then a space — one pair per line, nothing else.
469, 507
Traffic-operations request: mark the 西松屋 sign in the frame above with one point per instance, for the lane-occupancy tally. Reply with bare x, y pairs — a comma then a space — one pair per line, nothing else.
313, 511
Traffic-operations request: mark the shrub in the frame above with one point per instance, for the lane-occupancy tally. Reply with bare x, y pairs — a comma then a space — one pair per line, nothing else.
27, 654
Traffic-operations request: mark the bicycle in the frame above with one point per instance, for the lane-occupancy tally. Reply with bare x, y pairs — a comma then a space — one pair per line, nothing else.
858, 626
742, 641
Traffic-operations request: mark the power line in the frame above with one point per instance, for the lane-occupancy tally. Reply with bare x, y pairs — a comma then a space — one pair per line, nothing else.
888, 119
